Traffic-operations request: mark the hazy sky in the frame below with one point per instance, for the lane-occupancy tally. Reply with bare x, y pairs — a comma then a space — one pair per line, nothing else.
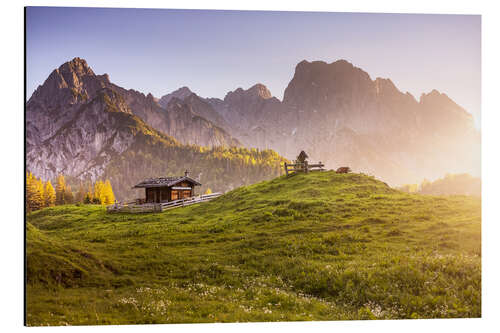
213, 52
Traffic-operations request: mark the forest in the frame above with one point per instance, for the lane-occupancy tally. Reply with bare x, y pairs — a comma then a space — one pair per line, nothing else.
41, 194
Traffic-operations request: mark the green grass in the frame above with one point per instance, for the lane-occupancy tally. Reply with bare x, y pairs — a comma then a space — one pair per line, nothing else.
321, 246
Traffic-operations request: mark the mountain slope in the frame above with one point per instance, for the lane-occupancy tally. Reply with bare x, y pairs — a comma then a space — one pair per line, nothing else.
321, 246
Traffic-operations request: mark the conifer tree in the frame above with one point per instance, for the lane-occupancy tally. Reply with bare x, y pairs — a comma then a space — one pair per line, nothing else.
80, 195
41, 192
34, 197
49, 194
60, 190
68, 195
29, 192
88, 196
108, 196
98, 192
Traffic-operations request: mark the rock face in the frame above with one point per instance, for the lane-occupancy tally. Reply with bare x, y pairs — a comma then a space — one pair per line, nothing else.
183, 116
85, 144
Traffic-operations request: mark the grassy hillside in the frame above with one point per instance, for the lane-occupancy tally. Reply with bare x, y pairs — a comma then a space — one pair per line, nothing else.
321, 246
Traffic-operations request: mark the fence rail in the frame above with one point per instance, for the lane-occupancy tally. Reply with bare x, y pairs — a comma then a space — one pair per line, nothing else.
303, 167
133, 207
189, 201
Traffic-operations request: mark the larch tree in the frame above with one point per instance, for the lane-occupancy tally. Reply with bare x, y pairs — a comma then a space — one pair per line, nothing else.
98, 192
41, 191
34, 196
49, 194
60, 190
108, 197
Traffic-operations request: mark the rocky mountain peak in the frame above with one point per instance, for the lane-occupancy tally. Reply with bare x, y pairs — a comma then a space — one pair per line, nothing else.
183, 91
437, 102
78, 66
256, 92
433, 96
306, 66
71, 83
180, 93
315, 83
260, 90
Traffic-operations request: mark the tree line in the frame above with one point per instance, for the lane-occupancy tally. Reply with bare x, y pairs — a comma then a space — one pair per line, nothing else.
40, 194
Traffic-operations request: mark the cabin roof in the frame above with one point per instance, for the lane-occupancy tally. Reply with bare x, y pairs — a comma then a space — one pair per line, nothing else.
165, 182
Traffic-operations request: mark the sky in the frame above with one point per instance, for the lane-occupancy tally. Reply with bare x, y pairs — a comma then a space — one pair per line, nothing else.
213, 52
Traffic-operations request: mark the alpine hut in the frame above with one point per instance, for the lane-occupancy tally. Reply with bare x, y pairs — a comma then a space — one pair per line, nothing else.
165, 189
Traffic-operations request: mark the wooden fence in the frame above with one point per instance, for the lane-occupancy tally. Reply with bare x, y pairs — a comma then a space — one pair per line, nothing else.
133, 207
303, 167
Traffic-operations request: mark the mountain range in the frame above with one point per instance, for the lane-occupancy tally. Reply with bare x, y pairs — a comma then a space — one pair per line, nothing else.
83, 126
80, 123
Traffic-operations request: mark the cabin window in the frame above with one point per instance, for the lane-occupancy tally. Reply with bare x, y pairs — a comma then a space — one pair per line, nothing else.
186, 194
175, 195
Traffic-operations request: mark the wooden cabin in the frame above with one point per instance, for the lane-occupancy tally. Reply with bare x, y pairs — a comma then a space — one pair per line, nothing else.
167, 189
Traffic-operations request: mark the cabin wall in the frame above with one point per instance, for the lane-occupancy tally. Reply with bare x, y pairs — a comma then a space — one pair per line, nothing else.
157, 194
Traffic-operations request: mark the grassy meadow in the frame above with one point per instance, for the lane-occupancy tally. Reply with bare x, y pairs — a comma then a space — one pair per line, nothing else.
318, 246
